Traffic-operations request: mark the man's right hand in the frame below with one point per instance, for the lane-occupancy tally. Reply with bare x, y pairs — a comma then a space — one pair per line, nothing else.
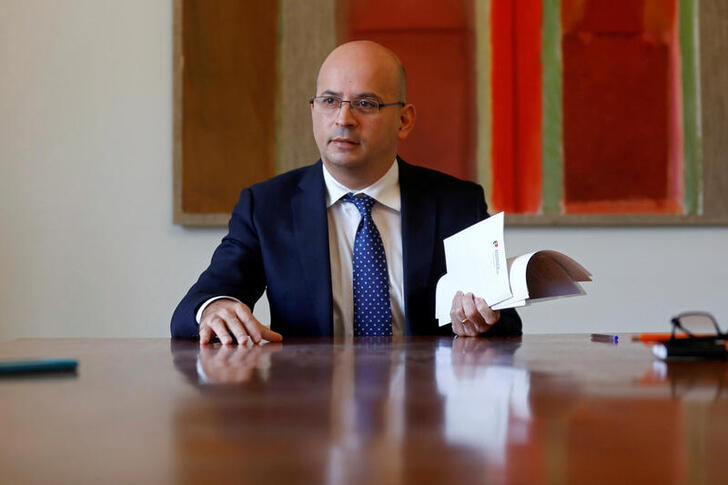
226, 318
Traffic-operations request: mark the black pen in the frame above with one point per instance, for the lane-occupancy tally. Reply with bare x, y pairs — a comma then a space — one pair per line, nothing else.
687, 349
601, 337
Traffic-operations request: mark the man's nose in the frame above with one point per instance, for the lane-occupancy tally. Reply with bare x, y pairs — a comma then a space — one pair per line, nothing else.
345, 116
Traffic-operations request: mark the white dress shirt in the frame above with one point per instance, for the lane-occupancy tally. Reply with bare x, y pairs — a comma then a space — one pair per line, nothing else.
343, 220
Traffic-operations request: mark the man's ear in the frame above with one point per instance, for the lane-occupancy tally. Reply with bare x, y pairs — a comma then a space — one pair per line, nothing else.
407, 118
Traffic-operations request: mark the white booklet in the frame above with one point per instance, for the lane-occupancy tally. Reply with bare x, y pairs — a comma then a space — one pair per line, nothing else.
476, 263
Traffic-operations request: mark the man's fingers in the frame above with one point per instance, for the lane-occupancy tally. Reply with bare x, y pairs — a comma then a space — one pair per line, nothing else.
491, 316
236, 327
470, 329
465, 329
465, 318
456, 303
218, 326
255, 329
205, 334
476, 316
224, 318
270, 335
252, 325
457, 315
472, 313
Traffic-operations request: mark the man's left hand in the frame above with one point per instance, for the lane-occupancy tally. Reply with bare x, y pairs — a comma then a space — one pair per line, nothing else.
471, 315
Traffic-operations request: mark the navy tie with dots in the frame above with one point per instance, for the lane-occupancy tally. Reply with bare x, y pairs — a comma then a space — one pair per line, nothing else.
372, 312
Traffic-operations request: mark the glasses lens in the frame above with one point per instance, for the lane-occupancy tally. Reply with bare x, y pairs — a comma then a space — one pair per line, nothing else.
696, 324
365, 105
327, 103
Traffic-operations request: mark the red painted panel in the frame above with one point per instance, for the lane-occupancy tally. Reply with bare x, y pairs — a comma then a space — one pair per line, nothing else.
615, 119
621, 106
436, 46
676, 160
517, 105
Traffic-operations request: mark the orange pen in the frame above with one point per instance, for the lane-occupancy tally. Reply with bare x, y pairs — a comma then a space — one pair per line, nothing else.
647, 338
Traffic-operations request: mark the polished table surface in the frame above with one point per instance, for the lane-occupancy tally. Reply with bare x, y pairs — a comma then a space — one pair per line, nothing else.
537, 409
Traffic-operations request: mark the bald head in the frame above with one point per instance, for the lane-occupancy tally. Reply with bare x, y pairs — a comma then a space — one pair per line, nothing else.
372, 60
358, 146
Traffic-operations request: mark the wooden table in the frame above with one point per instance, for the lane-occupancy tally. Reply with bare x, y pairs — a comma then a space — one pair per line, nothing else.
541, 409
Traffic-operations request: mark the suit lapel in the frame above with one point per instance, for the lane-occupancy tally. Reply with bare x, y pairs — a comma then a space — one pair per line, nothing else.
418, 240
311, 232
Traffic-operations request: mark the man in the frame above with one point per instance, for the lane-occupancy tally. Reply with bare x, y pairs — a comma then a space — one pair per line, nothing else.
351, 245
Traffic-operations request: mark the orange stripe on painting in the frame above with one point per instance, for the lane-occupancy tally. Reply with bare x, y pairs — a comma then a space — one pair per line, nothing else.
517, 105
502, 87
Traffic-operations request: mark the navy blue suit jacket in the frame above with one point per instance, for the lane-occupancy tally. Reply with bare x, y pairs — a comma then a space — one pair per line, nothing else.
278, 240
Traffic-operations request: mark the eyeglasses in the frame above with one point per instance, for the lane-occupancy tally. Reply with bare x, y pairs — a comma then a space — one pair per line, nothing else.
695, 325
695, 335
363, 104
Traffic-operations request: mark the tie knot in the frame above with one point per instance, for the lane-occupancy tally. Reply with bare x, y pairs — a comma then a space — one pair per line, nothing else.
362, 202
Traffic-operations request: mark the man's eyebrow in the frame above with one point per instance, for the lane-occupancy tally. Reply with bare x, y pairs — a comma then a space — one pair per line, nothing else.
367, 95
329, 92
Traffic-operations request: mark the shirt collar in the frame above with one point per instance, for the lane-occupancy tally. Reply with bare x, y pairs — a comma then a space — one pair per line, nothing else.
385, 190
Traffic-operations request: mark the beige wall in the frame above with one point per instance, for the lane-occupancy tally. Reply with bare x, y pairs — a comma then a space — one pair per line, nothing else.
87, 246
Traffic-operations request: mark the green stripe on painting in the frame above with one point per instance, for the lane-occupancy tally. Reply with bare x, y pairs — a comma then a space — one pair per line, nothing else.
483, 93
553, 135
693, 176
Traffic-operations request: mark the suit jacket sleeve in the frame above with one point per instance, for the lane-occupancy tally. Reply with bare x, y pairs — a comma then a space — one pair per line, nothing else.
236, 270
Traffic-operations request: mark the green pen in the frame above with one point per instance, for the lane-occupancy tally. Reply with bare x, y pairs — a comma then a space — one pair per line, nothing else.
14, 367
